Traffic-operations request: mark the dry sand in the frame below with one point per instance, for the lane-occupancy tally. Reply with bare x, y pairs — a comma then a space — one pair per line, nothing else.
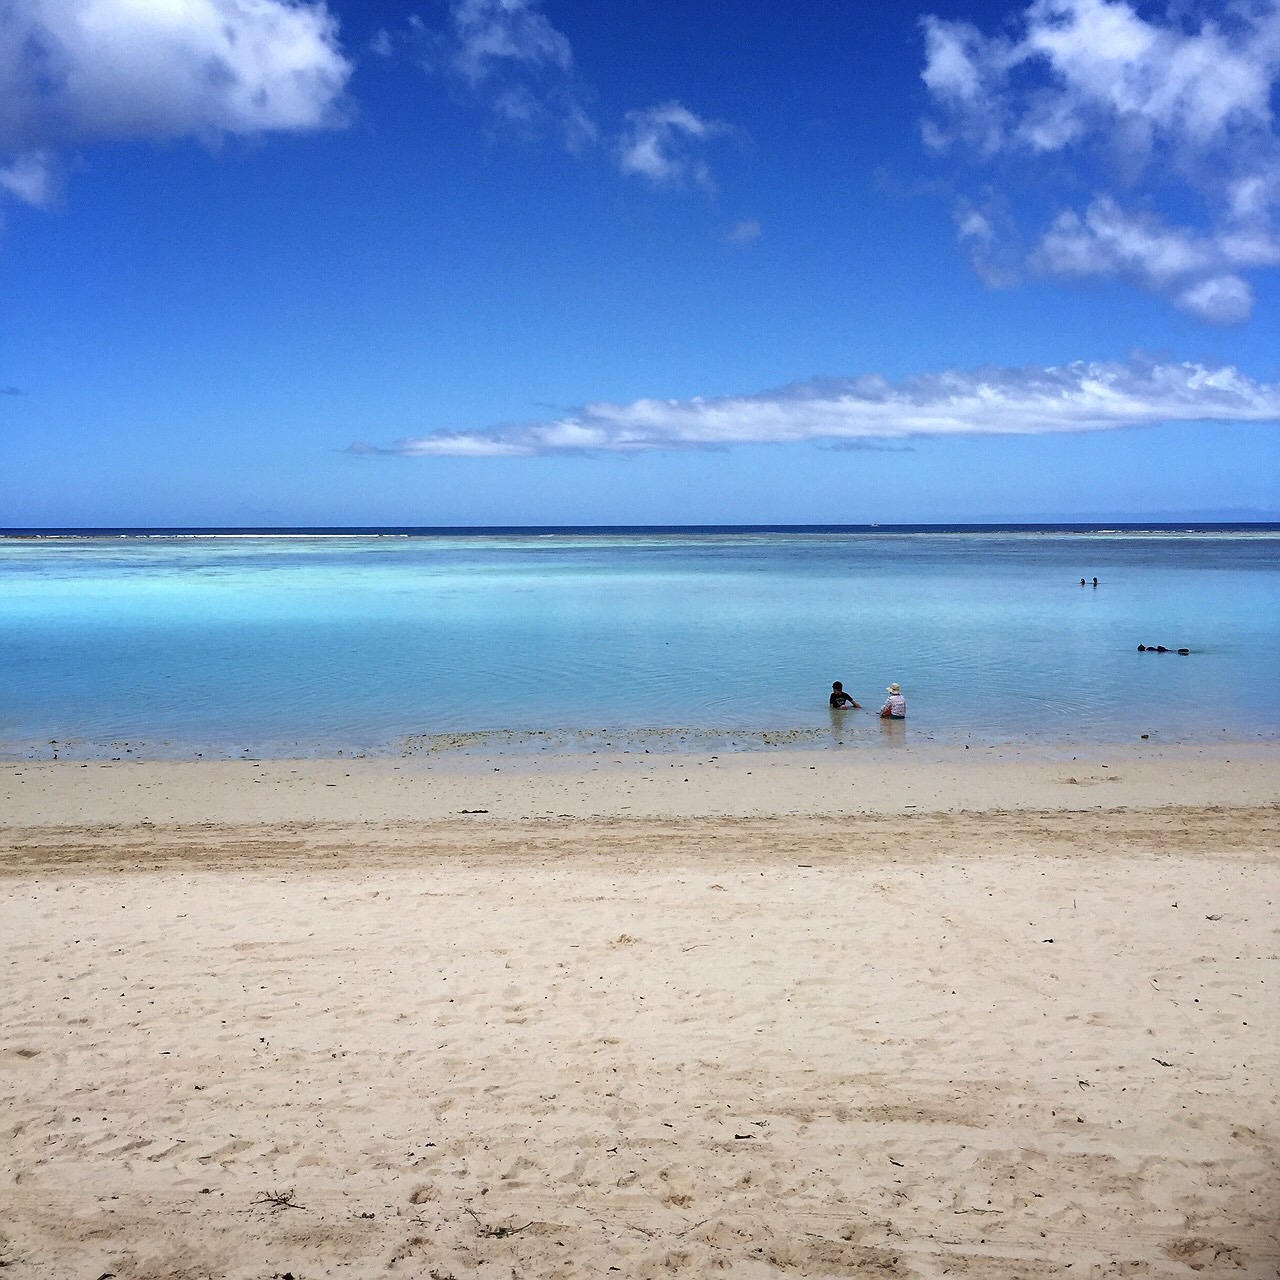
917, 1014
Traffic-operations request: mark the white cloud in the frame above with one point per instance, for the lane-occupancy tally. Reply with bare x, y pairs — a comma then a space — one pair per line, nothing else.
743, 233
1096, 84
30, 178
508, 56
1089, 65
985, 231
1219, 300
73, 71
1028, 401
492, 34
79, 71
1198, 272
514, 61
661, 144
959, 63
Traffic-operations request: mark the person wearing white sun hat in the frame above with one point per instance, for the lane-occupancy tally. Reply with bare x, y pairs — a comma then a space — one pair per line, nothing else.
895, 705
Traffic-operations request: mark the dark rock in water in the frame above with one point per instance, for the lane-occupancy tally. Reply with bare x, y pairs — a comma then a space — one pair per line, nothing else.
1142, 648
1161, 649
1184, 651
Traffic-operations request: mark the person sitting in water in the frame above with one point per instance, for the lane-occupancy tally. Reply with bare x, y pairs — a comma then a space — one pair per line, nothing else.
895, 705
839, 698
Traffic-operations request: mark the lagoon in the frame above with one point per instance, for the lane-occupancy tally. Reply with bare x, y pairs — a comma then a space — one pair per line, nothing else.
172, 646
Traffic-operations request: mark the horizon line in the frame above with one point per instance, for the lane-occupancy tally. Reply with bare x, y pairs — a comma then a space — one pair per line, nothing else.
404, 530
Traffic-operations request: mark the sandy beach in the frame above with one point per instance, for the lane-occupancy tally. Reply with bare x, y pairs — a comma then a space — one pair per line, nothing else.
1003, 1012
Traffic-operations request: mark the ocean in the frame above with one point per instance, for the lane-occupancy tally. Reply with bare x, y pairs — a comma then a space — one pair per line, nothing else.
146, 645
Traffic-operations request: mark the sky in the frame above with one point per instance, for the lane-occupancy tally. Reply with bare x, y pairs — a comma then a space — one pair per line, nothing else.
513, 262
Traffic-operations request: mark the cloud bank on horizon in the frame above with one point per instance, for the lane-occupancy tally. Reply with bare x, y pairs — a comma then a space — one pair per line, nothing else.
1028, 401
1091, 87
74, 73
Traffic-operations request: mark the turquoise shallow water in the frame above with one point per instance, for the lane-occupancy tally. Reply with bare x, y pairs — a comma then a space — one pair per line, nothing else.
172, 646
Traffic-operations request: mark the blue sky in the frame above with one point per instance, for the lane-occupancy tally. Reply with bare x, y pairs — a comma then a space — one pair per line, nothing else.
519, 262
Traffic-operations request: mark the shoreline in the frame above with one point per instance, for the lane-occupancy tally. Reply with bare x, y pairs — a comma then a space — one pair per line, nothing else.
863, 734
905, 779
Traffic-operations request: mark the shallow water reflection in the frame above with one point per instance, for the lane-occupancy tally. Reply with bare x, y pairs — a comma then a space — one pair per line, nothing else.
311, 644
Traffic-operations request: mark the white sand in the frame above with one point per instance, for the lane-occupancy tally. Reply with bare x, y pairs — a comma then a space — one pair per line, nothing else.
1037, 1038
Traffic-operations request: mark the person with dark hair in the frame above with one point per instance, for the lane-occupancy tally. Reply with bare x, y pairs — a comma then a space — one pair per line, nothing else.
840, 699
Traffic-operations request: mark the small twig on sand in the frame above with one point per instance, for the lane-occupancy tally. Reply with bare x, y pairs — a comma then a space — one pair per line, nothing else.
694, 1227
278, 1200
496, 1233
